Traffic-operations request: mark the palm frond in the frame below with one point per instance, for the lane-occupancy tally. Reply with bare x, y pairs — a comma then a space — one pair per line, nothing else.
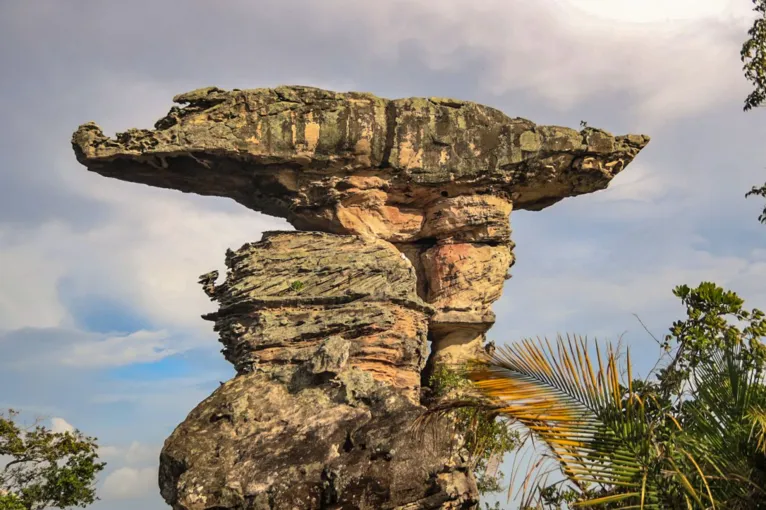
725, 424
757, 416
593, 426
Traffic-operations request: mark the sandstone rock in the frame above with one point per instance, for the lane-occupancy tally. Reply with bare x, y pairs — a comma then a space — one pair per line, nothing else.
315, 156
468, 219
416, 171
329, 330
328, 337
307, 299
254, 444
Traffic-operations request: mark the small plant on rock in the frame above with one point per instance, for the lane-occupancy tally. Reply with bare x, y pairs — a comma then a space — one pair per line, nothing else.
488, 437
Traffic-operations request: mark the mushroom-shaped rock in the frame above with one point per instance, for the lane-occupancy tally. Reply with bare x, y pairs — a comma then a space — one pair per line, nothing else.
437, 177
409, 201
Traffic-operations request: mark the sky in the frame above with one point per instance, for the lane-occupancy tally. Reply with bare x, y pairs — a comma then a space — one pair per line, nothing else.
100, 324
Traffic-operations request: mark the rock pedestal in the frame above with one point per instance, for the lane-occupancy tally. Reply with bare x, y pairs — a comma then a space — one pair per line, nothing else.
328, 336
406, 205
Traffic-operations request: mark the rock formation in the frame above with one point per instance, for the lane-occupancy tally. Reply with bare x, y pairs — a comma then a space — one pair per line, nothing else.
407, 205
322, 302
328, 336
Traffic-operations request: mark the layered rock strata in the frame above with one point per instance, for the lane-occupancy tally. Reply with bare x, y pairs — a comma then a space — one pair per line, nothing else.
328, 337
322, 302
437, 177
409, 201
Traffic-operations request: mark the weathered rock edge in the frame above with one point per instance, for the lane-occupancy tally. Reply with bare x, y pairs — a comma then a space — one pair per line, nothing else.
255, 445
283, 150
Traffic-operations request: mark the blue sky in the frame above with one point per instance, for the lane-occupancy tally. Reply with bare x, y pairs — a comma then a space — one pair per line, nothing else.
100, 322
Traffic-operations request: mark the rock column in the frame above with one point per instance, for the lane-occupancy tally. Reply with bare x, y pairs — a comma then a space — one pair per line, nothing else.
328, 337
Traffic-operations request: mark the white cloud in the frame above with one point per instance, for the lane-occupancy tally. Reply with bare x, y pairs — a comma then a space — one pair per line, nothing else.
559, 293
639, 193
138, 347
72, 349
130, 483
147, 257
639, 183
177, 394
136, 454
60, 425
108, 451
566, 51
654, 11
27, 292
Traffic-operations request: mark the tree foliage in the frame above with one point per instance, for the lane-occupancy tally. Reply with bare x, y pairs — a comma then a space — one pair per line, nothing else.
692, 435
486, 438
759, 191
46, 469
753, 56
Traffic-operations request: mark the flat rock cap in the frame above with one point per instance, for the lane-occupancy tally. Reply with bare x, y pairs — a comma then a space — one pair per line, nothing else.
275, 150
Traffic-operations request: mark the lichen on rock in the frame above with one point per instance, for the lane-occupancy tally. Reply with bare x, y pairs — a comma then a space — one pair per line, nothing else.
302, 153
254, 442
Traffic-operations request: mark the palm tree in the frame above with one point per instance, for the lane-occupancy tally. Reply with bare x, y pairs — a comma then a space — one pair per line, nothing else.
612, 444
692, 437
727, 416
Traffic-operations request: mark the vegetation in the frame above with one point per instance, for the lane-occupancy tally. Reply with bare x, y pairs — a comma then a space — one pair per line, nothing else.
753, 56
487, 438
45, 469
760, 192
692, 435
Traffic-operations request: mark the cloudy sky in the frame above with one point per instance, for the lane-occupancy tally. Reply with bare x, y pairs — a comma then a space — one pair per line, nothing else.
100, 323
